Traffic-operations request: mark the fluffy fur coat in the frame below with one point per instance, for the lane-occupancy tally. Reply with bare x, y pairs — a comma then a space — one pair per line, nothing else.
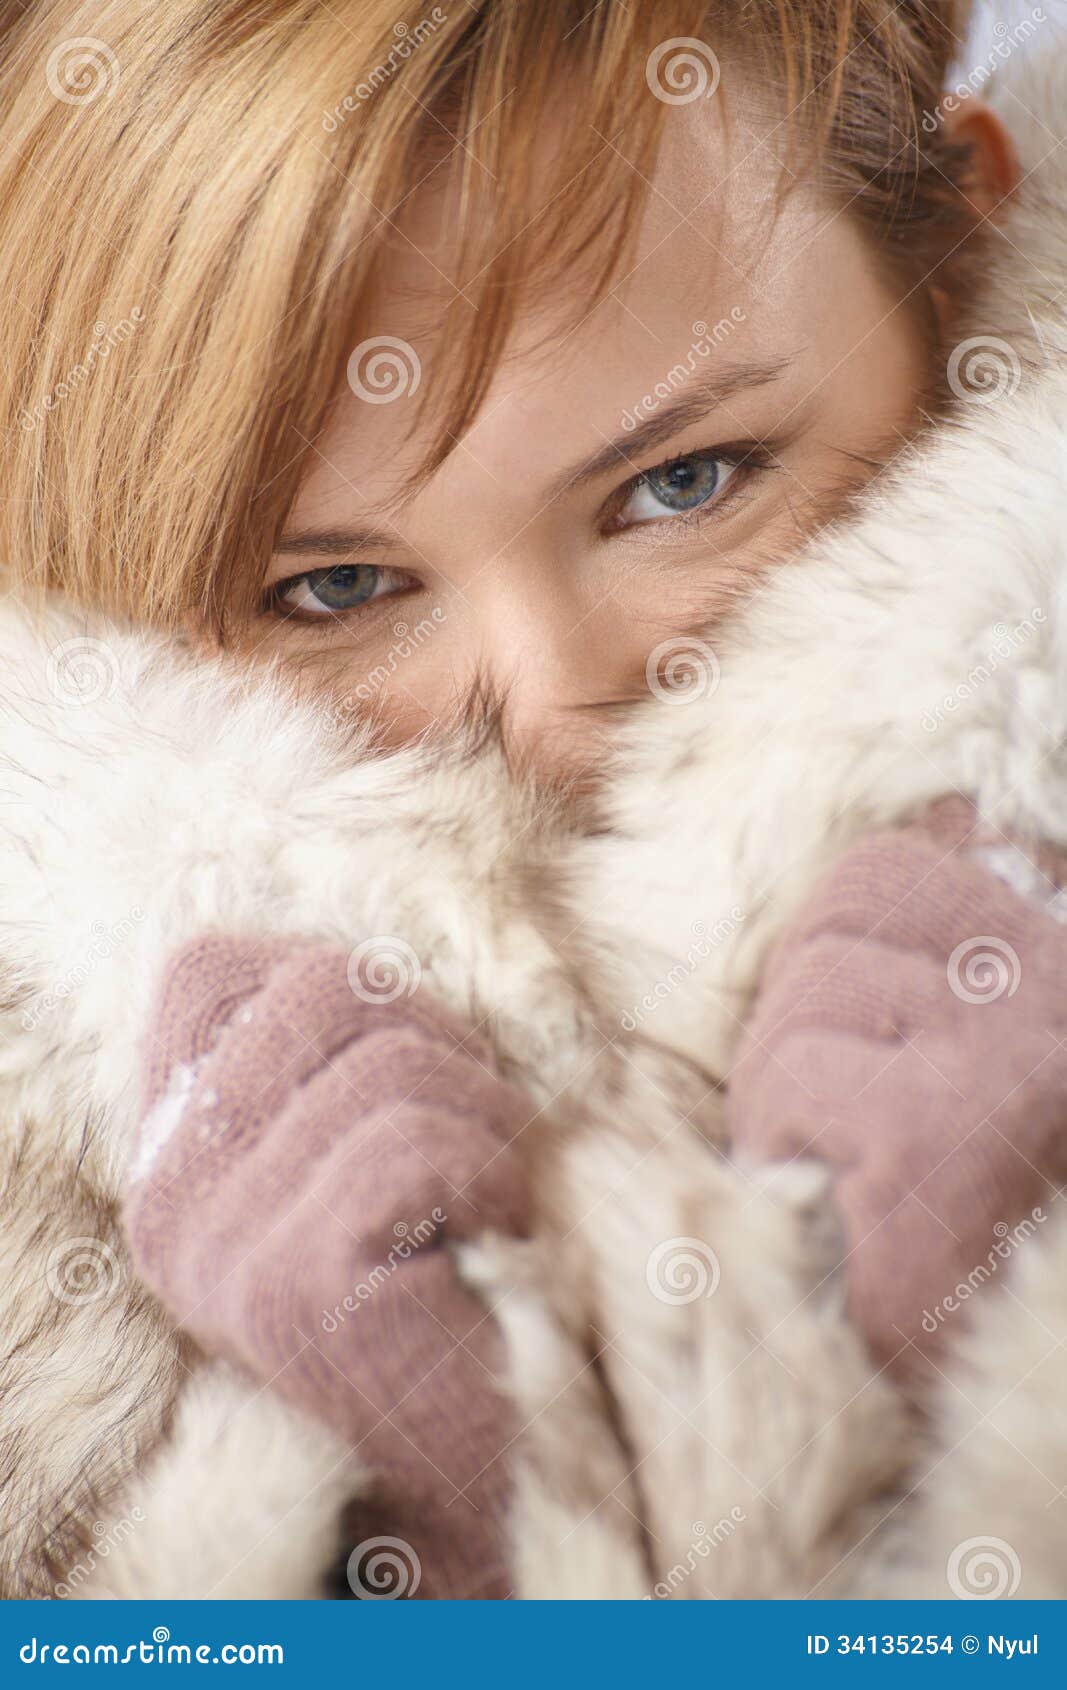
739, 1444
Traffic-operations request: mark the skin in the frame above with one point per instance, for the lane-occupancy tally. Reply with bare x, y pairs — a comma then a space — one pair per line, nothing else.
535, 560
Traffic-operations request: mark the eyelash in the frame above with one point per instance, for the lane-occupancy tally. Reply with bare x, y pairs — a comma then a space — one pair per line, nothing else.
748, 457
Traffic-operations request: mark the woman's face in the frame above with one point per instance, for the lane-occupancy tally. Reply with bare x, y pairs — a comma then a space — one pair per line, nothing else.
638, 465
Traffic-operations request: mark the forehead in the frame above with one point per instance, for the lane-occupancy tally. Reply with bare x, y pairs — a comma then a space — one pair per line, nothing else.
728, 264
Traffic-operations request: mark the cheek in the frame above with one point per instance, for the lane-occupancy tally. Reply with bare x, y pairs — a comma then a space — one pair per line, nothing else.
399, 686
675, 596
401, 678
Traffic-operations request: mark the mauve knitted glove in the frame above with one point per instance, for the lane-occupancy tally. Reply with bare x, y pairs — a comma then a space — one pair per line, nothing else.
912, 1032
309, 1149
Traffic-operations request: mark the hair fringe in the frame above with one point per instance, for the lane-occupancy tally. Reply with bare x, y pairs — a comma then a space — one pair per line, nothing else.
220, 186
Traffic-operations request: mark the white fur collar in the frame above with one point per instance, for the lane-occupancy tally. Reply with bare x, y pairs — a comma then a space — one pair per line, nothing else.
919, 651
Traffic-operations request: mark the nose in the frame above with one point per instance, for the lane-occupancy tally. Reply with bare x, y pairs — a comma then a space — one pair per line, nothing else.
556, 662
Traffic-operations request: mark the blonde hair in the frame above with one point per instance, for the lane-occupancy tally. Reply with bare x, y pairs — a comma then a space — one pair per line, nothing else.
193, 200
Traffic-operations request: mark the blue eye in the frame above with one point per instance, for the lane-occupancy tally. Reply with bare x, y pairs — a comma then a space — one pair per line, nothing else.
332, 592
684, 484
342, 588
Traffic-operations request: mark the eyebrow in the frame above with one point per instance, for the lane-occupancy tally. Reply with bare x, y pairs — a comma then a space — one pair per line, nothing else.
334, 542
700, 397
695, 402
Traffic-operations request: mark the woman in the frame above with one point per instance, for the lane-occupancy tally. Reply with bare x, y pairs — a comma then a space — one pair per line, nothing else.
563, 329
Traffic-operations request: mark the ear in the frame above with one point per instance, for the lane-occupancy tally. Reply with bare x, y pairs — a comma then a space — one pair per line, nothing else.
993, 171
